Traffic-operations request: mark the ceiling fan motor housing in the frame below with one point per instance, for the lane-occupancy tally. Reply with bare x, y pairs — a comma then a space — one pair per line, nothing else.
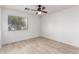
39, 7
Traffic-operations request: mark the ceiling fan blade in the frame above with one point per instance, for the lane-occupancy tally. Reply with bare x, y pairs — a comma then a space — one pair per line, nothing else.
36, 12
43, 8
30, 9
44, 11
27, 9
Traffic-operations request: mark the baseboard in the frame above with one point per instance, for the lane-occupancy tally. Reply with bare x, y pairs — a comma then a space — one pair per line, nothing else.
53, 38
21, 40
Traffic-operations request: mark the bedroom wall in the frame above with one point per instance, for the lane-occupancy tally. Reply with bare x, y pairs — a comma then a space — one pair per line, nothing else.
13, 36
62, 26
0, 27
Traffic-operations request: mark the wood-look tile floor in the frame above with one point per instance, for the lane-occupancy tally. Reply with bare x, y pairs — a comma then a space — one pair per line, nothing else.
38, 45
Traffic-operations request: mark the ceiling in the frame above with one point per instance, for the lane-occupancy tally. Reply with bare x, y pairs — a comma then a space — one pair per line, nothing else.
49, 8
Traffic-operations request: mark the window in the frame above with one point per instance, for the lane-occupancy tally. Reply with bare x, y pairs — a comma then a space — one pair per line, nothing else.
17, 23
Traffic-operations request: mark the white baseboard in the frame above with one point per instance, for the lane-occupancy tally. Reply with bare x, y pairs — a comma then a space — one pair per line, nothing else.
31, 37
53, 38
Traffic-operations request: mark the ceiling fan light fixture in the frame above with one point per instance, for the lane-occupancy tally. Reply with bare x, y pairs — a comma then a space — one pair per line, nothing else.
39, 12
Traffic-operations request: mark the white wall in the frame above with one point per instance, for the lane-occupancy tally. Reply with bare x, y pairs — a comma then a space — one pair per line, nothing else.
13, 36
0, 27
62, 26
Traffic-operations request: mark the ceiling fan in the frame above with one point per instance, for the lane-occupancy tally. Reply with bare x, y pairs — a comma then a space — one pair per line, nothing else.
39, 10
